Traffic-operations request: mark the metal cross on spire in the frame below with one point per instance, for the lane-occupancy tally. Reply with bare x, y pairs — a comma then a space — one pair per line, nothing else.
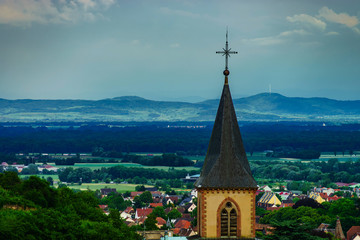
226, 51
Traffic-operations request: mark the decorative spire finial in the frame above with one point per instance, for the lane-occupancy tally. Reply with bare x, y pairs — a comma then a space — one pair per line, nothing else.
226, 52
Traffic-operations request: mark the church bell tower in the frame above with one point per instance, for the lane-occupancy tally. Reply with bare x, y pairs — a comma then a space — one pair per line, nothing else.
226, 187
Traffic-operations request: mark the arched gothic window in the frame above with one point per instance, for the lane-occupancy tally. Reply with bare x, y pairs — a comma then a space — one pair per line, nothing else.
229, 220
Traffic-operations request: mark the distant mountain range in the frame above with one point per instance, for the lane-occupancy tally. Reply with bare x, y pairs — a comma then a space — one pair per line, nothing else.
260, 107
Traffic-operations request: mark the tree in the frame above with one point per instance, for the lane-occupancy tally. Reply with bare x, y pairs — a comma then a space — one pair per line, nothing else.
30, 169
150, 222
307, 202
9, 180
138, 203
291, 229
50, 180
159, 212
174, 214
146, 197
140, 188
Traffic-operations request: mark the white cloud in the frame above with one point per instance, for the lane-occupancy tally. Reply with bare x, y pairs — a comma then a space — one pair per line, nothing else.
307, 20
26, 12
278, 39
293, 32
87, 4
342, 18
332, 33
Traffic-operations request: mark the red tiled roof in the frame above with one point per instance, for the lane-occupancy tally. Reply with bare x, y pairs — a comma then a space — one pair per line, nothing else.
160, 221
173, 198
154, 205
327, 198
182, 224
103, 206
129, 210
48, 166
340, 184
181, 209
352, 231
287, 204
141, 220
143, 212
134, 194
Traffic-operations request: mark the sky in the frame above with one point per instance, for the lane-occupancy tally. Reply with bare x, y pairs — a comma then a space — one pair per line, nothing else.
165, 50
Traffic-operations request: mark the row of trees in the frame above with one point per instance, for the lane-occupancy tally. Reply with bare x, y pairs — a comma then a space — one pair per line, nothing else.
120, 173
105, 141
325, 172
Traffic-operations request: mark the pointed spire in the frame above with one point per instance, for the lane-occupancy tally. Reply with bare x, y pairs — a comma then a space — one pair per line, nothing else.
339, 234
226, 164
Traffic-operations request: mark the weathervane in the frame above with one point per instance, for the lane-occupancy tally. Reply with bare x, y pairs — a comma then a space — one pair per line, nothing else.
226, 52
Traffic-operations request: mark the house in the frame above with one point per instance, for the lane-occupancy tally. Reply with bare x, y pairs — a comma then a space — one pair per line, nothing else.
129, 210
182, 227
269, 199
125, 215
281, 206
171, 199
185, 201
190, 207
316, 197
134, 194
154, 205
329, 199
106, 191
181, 223
193, 193
184, 232
143, 212
47, 167
284, 195
353, 233
328, 191
105, 209
324, 227
160, 222
265, 188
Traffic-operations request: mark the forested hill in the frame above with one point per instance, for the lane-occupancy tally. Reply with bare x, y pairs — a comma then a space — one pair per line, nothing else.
260, 107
